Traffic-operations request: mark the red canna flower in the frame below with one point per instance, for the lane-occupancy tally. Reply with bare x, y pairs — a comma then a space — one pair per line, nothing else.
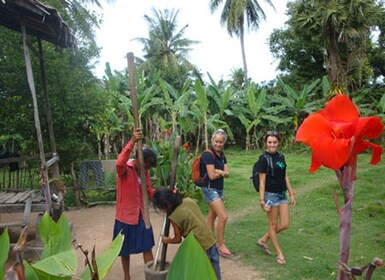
337, 134
186, 146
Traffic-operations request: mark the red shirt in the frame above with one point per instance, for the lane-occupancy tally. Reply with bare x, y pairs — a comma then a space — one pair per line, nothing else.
129, 200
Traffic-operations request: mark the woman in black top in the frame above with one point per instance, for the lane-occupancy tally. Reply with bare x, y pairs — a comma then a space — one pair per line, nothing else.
274, 184
214, 164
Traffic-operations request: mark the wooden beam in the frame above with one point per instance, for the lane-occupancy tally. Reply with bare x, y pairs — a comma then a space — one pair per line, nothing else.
31, 84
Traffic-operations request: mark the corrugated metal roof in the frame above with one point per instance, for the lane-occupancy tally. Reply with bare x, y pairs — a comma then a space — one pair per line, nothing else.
40, 20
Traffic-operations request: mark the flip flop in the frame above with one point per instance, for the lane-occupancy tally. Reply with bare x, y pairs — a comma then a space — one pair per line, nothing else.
281, 260
264, 247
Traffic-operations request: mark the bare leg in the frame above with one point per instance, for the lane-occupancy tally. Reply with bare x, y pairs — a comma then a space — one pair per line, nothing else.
126, 266
148, 257
211, 219
272, 215
218, 208
284, 222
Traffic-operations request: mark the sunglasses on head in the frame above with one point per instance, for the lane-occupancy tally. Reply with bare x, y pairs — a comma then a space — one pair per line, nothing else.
272, 133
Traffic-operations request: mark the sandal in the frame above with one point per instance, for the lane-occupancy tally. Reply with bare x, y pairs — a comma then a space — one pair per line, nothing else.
281, 260
264, 247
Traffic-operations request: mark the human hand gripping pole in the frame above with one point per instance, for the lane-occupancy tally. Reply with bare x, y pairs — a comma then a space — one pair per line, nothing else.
135, 109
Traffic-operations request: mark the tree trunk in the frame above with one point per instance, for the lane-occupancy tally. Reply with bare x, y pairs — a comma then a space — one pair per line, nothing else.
335, 69
242, 39
198, 140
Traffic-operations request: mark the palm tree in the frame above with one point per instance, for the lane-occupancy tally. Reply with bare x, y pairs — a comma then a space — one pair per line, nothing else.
234, 15
343, 28
166, 48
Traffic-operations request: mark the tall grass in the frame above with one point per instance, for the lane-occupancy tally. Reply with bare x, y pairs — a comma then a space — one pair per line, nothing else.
311, 244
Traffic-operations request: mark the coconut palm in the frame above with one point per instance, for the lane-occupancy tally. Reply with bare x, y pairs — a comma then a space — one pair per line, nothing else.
166, 48
234, 15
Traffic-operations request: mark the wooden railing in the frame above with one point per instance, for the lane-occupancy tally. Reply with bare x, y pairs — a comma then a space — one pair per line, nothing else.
20, 173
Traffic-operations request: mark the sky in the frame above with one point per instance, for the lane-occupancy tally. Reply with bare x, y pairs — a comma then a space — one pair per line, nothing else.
217, 53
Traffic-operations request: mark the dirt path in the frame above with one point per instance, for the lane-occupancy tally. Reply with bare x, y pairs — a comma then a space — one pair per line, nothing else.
93, 226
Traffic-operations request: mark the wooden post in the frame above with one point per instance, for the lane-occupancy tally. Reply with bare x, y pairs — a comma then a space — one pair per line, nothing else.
135, 109
51, 135
174, 168
31, 84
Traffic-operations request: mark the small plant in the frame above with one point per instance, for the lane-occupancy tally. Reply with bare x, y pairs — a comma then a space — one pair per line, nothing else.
58, 260
184, 183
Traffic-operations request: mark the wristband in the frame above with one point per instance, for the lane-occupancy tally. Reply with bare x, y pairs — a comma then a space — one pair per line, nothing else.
291, 194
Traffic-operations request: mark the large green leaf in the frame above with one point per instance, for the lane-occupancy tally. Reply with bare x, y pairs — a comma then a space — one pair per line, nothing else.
191, 262
62, 264
201, 100
106, 259
30, 274
55, 236
4, 245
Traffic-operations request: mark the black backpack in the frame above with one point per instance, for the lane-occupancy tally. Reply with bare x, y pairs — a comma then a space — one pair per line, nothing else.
255, 175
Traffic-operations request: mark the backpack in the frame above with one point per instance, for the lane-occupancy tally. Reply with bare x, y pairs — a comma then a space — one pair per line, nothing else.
196, 176
255, 175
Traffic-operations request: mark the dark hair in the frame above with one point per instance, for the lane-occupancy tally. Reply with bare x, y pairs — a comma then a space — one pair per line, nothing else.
166, 199
272, 133
149, 157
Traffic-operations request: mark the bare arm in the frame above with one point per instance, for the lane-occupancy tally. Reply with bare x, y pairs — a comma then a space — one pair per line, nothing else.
217, 173
177, 236
291, 192
262, 187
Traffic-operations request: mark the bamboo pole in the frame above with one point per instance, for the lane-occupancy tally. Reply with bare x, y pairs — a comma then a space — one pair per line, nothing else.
135, 109
166, 232
31, 84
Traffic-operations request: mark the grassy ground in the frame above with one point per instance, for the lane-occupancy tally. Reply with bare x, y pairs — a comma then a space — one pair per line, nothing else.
311, 244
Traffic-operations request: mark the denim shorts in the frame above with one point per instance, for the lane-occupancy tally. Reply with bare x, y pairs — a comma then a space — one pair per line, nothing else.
277, 198
211, 194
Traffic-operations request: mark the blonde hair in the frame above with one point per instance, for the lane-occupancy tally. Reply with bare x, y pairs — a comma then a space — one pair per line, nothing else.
219, 132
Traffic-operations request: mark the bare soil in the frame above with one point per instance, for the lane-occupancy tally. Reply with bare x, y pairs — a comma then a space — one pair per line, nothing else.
93, 226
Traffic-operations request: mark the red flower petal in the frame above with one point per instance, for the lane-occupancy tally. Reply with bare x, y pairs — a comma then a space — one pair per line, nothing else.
332, 153
376, 153
315, 164
313, 128
340, 109
369, 127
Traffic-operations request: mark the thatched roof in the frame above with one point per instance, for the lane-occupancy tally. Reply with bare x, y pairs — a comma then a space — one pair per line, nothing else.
40, 20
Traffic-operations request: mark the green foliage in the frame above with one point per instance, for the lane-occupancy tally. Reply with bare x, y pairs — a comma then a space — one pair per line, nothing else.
311, 244
4, 245
62, 265
30, 274
59, 260
166, 48
165, 152
106, 259
55, 236
190, 262
58, 257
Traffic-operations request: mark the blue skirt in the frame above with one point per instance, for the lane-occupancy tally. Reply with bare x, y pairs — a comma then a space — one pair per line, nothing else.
137, 239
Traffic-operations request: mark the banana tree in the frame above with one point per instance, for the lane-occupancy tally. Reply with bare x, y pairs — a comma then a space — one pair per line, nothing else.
174, 101
202, 103
297, 102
